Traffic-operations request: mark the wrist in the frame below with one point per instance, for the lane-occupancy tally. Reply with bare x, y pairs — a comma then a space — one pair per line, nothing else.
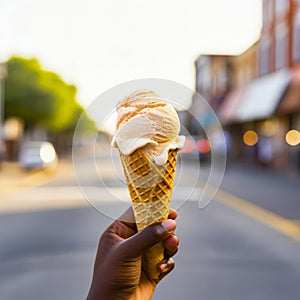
99, 293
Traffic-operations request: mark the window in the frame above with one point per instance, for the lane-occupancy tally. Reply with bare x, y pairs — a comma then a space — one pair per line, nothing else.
264, 57
203, 79
296, 39
281, 7
281, 45
267, 13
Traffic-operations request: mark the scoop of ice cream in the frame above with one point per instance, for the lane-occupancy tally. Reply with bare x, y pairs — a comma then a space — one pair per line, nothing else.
148, 108
146, 120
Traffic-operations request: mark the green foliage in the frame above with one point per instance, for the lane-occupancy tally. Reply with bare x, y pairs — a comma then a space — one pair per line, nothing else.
40, 97
85, 124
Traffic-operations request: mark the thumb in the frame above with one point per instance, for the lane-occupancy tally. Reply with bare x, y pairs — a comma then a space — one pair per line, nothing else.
136, 245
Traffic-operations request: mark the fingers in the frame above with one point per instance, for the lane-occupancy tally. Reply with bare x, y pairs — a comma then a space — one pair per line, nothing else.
128, 217
171, 246
152, 236
136, 245
173, 214
167, 266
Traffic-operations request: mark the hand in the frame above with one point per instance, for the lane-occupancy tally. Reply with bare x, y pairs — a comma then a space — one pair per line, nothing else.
118, 269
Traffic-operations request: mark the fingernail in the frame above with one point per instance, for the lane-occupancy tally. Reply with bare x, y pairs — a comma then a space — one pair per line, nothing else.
169, 224
163, 267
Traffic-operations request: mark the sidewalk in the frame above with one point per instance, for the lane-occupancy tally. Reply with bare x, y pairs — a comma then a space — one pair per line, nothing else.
11, 172
13, 178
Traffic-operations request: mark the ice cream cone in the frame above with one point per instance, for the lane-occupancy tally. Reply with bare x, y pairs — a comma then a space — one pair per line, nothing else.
147, 136
150, 187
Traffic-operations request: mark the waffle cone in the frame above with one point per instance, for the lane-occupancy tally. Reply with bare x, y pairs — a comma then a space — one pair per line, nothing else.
150, 187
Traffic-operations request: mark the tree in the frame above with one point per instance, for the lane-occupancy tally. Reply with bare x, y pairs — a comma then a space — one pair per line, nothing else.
40, 97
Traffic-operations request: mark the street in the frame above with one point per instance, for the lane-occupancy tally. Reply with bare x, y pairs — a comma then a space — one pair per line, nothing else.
86, 84
244, 245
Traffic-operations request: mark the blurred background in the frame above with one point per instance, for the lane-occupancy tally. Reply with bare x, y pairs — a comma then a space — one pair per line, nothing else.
243, 57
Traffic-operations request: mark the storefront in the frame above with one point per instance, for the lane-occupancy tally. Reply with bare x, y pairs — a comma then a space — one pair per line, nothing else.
289, 110
260, 116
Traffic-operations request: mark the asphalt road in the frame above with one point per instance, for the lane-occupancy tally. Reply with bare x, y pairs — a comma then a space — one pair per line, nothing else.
227, 250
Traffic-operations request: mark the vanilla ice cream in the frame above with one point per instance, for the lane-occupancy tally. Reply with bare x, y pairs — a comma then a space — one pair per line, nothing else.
146, 120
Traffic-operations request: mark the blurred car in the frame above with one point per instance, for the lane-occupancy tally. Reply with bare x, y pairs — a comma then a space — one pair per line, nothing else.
38, 155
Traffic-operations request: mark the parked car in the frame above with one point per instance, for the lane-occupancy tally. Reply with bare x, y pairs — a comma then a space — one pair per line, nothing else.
38, 155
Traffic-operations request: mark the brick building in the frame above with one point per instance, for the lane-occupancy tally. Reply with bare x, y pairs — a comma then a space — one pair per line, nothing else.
258, 92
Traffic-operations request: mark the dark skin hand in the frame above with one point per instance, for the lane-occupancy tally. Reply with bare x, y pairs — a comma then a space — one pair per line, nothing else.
118, 269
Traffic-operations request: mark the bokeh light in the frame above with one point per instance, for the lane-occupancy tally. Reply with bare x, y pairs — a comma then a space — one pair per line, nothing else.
250, 138
203, 146
188, 146
268, 128
47, 153
293, 137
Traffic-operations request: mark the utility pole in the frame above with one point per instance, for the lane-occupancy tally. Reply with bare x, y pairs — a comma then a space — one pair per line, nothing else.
2, 76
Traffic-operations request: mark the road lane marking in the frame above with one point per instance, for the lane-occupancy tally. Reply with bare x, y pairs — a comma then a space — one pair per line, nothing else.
287, 227
66, 198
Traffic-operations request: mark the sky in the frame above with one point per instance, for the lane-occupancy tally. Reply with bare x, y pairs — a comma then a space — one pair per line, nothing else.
98, 44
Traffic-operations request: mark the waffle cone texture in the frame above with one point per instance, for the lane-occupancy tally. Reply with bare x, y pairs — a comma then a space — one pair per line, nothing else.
150, 187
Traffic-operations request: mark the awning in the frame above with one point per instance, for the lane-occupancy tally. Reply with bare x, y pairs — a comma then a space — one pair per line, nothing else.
229, 105
290, 102
262, 96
